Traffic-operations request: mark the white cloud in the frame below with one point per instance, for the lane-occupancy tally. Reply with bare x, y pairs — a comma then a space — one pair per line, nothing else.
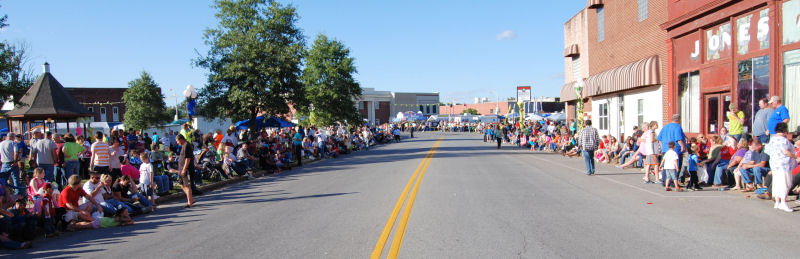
506, 35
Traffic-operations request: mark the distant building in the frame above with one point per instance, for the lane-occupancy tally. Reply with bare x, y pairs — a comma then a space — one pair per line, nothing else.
105, 103
375, 106
538, 105
427, 103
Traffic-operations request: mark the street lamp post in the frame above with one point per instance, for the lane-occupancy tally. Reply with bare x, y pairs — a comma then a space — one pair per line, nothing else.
579, 103
176, 102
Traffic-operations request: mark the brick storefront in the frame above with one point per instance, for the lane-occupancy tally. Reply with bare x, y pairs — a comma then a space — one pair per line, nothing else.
724, 52
625, 56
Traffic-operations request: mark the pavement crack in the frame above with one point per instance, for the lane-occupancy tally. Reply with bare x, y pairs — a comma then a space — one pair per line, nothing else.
524, 249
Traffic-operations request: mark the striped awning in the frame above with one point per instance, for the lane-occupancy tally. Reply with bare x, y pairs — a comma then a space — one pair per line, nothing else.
572, 50
645, 72
594, 3
568, 92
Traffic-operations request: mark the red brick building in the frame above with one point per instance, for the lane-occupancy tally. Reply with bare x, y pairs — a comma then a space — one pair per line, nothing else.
724, 52
105, 103
382, 110
617, 48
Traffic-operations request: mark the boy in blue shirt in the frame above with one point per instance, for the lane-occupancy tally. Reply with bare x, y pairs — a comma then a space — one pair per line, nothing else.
693, 160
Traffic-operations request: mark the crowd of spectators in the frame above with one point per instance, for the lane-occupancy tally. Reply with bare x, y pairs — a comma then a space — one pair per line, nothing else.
52, 183
763, 161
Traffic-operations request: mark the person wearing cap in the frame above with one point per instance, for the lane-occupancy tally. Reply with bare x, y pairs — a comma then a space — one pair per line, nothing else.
188, 133
760, 121
9, 155
673, 132
44, 153
779, 114
735, 120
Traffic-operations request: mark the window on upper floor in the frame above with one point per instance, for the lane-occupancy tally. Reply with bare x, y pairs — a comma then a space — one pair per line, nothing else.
576, 68
601, 24
643, 10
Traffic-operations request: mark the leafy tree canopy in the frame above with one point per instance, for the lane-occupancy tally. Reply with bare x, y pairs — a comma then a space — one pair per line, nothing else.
329, 83
145, 107
254, 60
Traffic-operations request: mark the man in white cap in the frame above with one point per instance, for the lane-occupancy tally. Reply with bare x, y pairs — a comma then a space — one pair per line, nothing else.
780, 114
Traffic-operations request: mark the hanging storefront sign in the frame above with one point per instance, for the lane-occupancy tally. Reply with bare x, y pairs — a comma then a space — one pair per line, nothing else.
791, 21
718, 42
688, 49
746, 25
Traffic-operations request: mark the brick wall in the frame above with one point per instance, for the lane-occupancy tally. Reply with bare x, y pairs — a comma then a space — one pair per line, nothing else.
627, 39
88, 96
575, 33
383, 112
482, 108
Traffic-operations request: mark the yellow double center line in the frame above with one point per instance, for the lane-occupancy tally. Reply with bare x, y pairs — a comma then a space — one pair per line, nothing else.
401, 227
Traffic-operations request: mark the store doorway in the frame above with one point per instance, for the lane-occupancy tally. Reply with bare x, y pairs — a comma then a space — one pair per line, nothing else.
716, 105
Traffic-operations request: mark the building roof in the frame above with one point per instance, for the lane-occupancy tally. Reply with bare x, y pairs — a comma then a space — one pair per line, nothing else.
47, 99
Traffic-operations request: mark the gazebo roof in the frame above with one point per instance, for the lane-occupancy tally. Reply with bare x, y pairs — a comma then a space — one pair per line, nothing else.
47, 99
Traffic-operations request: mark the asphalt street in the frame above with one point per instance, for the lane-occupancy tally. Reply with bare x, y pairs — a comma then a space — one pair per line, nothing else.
472, 201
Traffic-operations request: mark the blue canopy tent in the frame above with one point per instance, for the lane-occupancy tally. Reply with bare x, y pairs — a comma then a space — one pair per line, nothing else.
261, 122
284, 123
245, 124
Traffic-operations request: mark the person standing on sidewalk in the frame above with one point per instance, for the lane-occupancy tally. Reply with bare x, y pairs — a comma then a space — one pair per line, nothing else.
498, 135
779, 114
297, 140
673, 132
781, 162
186, 169
588, 141
44, 151
10, 155
760, 122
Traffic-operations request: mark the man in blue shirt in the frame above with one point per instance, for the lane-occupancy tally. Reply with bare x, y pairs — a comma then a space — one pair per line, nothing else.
781, 114
673, 132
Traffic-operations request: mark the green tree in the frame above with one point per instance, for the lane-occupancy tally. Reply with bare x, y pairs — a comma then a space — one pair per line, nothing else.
472, 111
329, 83
254, 60
14, 80
145, 107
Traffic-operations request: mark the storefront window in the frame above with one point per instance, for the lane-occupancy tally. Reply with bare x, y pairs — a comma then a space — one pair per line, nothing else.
753, 84
791, 22
689, 93
640, 112
791, 85
603, 116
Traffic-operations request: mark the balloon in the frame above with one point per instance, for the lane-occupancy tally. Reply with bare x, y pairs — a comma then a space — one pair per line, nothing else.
190, 92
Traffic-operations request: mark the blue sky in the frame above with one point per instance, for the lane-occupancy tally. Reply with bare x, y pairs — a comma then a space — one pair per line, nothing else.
462, 49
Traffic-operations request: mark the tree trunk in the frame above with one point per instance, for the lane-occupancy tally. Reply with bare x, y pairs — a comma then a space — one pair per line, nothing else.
252, 129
